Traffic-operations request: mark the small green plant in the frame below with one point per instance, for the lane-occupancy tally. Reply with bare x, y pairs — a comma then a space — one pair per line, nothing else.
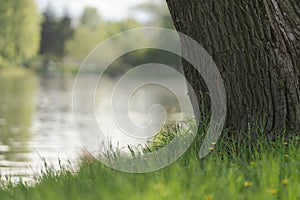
169, 131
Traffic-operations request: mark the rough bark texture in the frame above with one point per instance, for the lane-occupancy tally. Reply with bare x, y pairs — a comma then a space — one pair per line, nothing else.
255, 44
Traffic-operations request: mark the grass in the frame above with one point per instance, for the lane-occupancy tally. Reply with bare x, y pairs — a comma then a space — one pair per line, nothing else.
15, 72
245, 169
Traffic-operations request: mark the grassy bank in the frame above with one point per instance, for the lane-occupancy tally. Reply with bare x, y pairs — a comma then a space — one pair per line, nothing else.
15, 72
262, 170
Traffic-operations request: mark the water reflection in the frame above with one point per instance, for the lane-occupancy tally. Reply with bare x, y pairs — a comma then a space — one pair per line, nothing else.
36, 124
16, 114
36, 119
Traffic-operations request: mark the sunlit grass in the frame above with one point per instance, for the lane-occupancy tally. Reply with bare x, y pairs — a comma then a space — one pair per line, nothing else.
15, 72
236, 169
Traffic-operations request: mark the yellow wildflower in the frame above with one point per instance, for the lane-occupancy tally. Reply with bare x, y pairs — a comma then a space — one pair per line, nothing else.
286, 155
252, 163
273, 191
209, 197
285, 182
247, 184
211, 148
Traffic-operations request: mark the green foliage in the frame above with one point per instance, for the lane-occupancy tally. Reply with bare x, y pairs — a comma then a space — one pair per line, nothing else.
87, 35
271, 173
169, 131
90, 17
20, 30
91, 32
84, 40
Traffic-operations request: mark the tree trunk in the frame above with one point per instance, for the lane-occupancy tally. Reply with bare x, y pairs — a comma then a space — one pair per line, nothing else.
255, 45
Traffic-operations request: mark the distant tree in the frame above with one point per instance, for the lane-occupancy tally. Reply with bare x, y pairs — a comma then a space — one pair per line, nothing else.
66, 32
55, 34
158, 13
48, 32
83, 41
87, 35
90, 18
20, 30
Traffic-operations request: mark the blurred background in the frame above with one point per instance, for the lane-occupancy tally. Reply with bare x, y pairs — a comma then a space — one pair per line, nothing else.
42, 45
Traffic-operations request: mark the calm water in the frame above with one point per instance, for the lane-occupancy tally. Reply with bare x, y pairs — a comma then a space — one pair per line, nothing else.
37, 123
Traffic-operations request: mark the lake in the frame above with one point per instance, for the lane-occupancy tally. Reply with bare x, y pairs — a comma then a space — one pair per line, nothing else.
37, 122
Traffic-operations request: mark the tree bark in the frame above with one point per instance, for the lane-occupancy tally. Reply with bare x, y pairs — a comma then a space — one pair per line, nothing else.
255, 45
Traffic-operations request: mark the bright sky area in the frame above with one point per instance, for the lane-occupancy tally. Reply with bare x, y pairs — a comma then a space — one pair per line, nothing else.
109, 9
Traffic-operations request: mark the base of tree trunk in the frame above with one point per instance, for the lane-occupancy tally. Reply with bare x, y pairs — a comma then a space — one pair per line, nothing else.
255, 45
